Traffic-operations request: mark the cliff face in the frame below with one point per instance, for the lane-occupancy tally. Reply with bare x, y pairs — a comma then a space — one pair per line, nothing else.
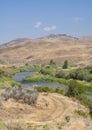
41, 50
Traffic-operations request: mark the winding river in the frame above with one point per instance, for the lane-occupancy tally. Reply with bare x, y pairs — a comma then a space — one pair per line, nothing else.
19, 77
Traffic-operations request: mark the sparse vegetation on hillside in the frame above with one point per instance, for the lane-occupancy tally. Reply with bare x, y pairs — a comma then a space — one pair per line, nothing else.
20, 94
50, 90
48, 48
81, 113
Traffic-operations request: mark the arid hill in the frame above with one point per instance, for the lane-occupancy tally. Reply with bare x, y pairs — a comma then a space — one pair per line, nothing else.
51, 112
42, 50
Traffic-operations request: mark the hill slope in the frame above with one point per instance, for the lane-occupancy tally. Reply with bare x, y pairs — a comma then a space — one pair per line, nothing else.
41, 50
50, 112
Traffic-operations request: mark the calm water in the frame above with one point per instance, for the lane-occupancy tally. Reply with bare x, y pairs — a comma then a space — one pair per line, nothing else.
44, 84
19, 77
89, 96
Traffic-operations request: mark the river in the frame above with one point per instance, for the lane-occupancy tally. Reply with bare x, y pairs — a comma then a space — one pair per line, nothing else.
19, 77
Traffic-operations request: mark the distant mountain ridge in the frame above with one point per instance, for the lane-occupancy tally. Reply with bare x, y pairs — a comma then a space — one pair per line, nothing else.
58, 47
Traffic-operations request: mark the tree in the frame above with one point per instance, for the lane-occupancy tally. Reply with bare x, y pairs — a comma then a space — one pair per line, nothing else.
65, 65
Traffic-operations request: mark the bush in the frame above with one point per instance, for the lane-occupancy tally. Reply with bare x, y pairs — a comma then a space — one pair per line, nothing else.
20, 94
83, 99
59, 90
45, 127
44, 89
48, 70
67, 118
52, 62
81, 113
60, 74
75, 89
89, 78
81, 74
65, 65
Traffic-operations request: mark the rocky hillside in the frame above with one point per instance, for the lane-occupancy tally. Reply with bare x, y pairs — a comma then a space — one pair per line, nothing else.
42, 50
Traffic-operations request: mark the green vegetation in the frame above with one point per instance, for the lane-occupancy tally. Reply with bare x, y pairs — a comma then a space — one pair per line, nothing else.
41, 77
75, 89
90, 108
44, 89
50, 73
2, 126
67, 118
79, 79
50, 90
6, 81
52, 62
65, 65
45, 127
81, 113
6, 74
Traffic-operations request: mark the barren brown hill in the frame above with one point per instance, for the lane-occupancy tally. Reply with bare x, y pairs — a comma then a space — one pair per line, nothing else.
42, 50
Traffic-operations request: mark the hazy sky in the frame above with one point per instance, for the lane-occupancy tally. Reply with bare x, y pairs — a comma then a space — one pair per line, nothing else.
36, 18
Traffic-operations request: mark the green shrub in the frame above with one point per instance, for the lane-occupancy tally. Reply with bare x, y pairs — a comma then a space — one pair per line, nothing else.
90, 108
59, 90
45, 127
52, 62
65, 65
80, 74
83, 99
67, 118
75, 89
81, 113
48, 89
48, 70
43, 89
60, 74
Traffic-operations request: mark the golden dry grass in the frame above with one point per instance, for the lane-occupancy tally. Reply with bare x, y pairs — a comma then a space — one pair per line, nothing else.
59, 48
51, 109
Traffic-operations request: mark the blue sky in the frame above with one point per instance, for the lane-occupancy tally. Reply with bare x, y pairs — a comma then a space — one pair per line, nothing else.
36, 18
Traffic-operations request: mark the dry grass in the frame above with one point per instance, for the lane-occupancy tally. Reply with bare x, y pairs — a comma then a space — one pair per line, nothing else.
50, 110
77, 51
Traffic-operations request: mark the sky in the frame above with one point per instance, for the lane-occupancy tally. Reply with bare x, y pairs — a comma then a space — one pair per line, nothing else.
37, 18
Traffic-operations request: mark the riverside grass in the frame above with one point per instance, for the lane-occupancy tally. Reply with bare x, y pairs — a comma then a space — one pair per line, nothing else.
40, 77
